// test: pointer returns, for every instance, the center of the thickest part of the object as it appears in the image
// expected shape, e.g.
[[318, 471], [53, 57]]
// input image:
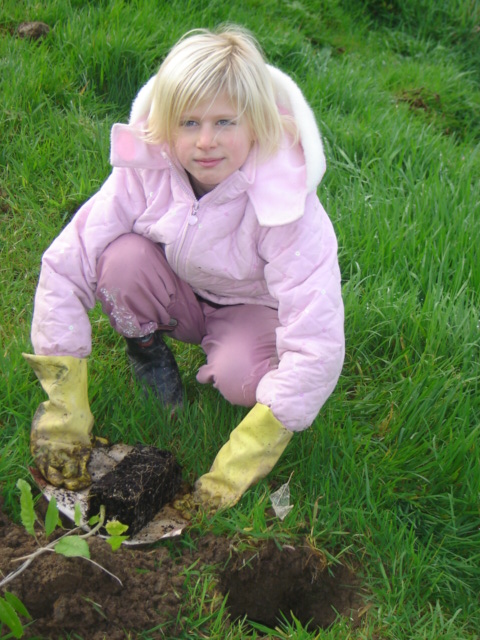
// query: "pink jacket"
[[260, 237]]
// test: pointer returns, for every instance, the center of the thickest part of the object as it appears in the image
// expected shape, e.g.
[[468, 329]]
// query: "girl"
[[208, 229]]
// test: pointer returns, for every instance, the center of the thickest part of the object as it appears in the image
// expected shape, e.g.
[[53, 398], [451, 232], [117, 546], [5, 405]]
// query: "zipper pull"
[[193, 219]]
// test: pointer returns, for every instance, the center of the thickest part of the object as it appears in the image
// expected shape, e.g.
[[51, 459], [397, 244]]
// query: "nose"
[[206, 137]]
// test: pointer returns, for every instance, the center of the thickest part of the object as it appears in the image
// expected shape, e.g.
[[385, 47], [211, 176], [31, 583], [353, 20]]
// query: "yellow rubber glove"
[[60, 439], [252, 451]]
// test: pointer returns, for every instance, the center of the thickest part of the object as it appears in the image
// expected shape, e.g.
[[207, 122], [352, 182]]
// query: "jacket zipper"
[[191, 220]]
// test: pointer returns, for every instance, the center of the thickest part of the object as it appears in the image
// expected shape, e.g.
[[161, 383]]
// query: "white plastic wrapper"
[[281, 501]]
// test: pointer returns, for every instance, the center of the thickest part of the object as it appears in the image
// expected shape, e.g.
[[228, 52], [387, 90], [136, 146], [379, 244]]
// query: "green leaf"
[[77, 517], [51, 517], [72, 546], [9, 616], [116, 541], [115, 527], [17, 604], [94, 520], [27, 511]]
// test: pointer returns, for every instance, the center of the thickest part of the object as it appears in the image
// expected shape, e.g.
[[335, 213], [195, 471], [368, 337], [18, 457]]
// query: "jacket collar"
[[276, 187], [128, 148]]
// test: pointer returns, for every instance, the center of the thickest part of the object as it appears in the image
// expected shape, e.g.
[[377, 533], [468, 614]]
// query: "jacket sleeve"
[[303, 274], [67, 283]]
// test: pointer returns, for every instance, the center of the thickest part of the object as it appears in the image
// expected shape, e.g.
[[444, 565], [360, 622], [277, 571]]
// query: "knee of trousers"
[[140, 293], [134, 285], [126, 261], [234, 374]]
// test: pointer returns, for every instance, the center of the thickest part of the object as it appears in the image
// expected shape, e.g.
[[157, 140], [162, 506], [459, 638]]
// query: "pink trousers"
[[140, 294]]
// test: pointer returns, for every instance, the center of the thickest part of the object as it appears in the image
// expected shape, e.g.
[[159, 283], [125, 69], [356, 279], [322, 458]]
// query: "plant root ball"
[[137, 488]]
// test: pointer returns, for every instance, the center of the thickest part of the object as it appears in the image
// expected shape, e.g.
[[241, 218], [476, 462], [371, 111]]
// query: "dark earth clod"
[[137, 488]]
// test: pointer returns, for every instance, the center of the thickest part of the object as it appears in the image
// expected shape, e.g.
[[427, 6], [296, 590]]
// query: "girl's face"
[[212, 142]]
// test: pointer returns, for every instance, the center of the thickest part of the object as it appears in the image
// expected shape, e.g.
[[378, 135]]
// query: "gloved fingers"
[[56, 477], [191, 503], [78, 483], [65, 468], [51, 474], [186, 506], [76, 466], [213, 495]]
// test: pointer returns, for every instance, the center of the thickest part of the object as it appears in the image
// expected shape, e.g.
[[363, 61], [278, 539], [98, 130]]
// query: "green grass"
[[389, 473]]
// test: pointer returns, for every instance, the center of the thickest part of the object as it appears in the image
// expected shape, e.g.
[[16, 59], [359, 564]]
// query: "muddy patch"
[[70, 595], [33, 30]]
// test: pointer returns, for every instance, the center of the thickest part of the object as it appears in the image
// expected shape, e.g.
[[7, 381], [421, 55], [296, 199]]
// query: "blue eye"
[[188, 123], [225, 122]]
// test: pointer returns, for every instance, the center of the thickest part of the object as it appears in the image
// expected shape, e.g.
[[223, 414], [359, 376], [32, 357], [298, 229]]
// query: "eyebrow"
[[217, 116]]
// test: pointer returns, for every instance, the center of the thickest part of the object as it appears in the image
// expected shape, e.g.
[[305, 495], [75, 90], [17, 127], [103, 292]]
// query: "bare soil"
[[70, 595]]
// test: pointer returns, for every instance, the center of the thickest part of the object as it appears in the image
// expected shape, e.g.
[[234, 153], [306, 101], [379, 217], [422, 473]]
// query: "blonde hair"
[[202, 65]]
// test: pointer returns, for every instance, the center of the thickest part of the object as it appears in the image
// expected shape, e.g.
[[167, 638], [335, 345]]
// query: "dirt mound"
[[72, 595]]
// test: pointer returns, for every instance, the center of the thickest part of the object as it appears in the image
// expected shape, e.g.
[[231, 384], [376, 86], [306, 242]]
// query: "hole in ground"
[[263, 584]]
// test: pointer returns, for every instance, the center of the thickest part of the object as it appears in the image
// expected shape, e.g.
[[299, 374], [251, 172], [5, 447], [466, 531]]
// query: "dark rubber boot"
[[155, 367]]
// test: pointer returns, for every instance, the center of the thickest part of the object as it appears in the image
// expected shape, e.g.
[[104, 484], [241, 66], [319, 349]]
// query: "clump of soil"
[[70, 595], [33, 30], [137, 488]]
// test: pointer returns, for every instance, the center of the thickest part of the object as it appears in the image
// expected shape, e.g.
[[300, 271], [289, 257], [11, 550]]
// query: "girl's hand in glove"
[[250, 454], [60, 439]]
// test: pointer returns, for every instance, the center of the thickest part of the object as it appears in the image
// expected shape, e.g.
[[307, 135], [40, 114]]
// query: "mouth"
[[208, 162]]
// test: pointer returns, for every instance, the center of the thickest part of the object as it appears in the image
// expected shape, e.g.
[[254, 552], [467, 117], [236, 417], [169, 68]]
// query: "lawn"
[[388, 477]]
